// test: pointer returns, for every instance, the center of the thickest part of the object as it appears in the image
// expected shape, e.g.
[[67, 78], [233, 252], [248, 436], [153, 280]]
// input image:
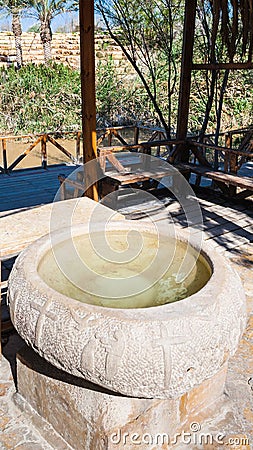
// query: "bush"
[[40, 98]]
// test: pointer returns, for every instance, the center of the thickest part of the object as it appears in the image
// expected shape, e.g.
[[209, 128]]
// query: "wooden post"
[[44, 151], [78, 140], [110, 139], [4, 147], [182, 151], [136, 134], [87, 55], [228, 144], [63, 192]]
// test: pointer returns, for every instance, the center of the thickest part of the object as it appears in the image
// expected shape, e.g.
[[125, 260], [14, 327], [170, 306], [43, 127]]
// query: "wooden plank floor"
[[228, 223], [30, 187]]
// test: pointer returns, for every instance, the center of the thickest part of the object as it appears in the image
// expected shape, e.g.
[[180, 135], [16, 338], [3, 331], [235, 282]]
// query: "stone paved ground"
[[230, 226], [16, 431], [235, 418]]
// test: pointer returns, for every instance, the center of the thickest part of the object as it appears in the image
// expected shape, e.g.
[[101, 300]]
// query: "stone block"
[[78, 414], [69, 43], [163, 352]]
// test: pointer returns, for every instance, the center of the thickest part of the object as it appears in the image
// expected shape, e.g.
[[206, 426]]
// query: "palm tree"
[[15, 8], [44, 11]]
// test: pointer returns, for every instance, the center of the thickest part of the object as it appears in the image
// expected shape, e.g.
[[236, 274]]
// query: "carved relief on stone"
[[145, 355], [166, 341], [114, 347], [43, 307], [84, 319], [88, 356]]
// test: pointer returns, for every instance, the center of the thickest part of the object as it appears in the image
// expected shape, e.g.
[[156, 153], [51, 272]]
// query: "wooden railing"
[[136, 139], [37, 139], [230, 158], [106, 137], [135, 134], [230, 134]]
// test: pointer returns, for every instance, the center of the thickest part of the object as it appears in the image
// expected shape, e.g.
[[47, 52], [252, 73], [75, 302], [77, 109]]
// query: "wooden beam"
[[223, 66], [4, 148], [24, 154], [61, 148], [219, 148], [182, 152], [143, 145], [87, 55]]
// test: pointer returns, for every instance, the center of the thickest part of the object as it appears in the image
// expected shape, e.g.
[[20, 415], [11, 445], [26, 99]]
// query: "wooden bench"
[[224, 180], [128, 169]]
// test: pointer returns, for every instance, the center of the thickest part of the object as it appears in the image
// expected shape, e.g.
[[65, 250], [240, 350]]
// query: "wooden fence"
[[106, 137], [38, 139], [141, 139], [237, 148]]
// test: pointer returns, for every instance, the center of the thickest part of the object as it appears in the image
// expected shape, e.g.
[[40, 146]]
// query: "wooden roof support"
[[87, 55], [185, 80]]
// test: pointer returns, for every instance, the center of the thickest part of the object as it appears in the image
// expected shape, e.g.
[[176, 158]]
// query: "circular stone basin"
[[137, 315], [121, 271]]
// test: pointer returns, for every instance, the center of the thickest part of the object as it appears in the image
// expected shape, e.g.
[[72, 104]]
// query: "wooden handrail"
[[157, 139], [219, 148], [141, 145], [49, 137], [43, 138], [122, 127], [24, 154]]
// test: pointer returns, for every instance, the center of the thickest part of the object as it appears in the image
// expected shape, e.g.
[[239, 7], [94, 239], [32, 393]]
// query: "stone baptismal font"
[[125, 330]]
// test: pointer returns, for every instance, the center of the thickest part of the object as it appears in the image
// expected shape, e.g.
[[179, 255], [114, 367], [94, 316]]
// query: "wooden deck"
[[228, 223], [30, 187]]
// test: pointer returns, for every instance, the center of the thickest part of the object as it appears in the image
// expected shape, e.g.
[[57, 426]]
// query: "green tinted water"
[[125, 270]]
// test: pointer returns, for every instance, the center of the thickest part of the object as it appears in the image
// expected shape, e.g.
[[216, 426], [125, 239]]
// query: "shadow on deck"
[[30, 187]]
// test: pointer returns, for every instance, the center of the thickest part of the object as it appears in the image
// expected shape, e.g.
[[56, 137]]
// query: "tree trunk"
[[218, 116], [209, 105], [17, 31], [46, 38]]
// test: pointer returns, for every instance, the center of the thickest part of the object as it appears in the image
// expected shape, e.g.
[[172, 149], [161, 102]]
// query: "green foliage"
[[47, 98], [41, 98], [34, 28], [146, 33], [46, 10], [38, 98], [119, 99], [13, 6], [237, 105]]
